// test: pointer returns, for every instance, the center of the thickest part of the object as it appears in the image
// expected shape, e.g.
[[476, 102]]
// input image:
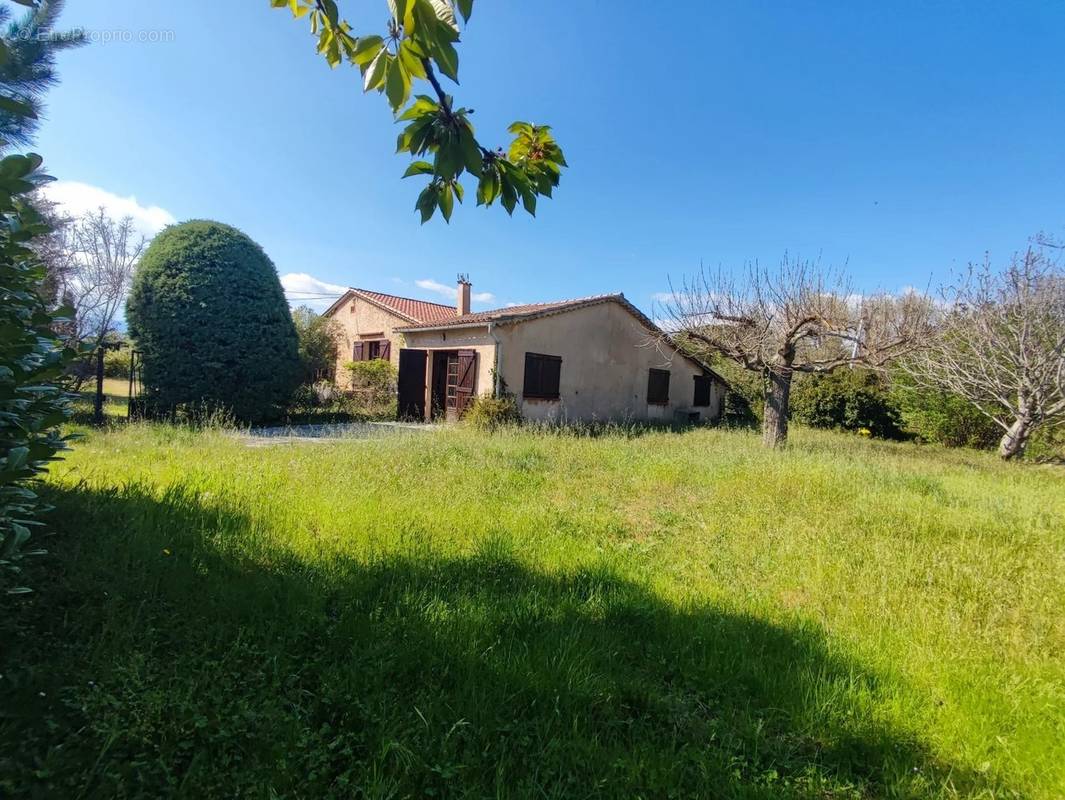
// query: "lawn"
[[116, 399], [454, 614]]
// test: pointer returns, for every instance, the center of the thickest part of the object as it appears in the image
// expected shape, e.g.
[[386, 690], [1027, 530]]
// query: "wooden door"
[[461, 382], [411, 384]]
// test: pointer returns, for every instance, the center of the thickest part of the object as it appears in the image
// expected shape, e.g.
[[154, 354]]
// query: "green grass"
[[116, 400], [534, 615]]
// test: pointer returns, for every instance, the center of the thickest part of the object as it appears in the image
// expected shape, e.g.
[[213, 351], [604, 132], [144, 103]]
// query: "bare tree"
[[104, 252], [1001, 345], [55, 249], [798, 317]]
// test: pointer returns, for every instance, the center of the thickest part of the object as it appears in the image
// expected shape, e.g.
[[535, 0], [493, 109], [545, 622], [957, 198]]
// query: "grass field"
[[116, 399], [531, 615]]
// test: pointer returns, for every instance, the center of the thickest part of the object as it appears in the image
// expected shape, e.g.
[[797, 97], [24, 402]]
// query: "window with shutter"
[[358, 353], [386, 350], [373, 350], [658, 387], [542, 376], [702, 391]]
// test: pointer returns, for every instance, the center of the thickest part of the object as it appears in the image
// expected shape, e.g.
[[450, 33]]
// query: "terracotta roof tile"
[[417, 311], [512, 312]]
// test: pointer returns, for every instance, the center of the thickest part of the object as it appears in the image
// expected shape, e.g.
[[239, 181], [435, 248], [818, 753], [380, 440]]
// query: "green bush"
[[1047, 444], [846, 399], [318, 344], [942, 418], [489, 413], [116, 363], [744, 398], [209, 317], [374, 381], [32, 360]]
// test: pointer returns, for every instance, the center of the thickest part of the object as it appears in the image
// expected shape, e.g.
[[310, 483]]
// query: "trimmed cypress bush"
[[208, 314]]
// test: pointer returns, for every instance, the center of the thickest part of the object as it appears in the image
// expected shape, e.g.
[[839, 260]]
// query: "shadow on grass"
[[228, 668]]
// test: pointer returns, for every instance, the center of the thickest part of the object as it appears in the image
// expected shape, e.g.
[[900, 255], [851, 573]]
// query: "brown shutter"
[[359, 351], [386, 350], [467, 380]]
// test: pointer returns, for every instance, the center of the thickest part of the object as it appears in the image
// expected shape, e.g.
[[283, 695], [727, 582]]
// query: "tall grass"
[[539, 614]]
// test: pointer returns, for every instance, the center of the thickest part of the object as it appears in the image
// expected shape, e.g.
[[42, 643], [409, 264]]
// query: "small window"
[[702, 391], [542, 375], [370, 349], [658, 387]]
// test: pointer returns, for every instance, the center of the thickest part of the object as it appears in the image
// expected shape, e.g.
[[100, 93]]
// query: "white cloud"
[[302, 289], [452, 292], [79, 198], [662, 297]]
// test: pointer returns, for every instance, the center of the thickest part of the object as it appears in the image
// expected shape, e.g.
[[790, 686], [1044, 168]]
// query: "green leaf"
[[411, 60], [471, 153], [528, 201], [447, 58], [375, 73], [447, 202], [421, 106], [419, 168], [448, 163], [331, 11], [465, 8], [397, 84], [508, 196], [367, 49], [427, 202], [488, 186], [444, 12]]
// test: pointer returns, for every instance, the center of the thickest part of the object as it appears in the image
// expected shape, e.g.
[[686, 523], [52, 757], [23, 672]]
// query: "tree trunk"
[[777, 400], [1016, 439]]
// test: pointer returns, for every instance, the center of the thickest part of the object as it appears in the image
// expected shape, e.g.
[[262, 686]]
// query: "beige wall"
[[358, 319], [606, 354], [476, 339]]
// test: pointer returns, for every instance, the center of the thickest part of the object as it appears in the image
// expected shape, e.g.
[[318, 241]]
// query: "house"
[[593, 358], [366, 324]]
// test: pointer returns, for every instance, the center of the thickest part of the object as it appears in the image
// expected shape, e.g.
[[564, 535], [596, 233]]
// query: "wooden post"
[[98, 403]]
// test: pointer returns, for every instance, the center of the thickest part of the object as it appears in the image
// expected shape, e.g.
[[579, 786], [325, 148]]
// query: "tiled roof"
[[516, 313], [420, 310], [415, 311]]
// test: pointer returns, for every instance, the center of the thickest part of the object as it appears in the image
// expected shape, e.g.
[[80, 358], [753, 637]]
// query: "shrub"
[[32, 405], [317, 343], [942, 418], [116, 363], [846, 399], [374, 381], [209, 317], [489, 413], [1047, 444], [744, 398]]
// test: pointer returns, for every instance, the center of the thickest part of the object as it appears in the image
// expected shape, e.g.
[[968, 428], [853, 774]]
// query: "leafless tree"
[[102, 253], [1001, 344], [55, 249], [797, 317]]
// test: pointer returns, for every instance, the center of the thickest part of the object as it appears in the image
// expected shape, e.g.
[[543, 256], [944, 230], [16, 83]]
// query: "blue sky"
[[903, 138]]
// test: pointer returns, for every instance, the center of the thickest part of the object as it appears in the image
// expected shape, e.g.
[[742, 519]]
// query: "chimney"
[[463, 304]]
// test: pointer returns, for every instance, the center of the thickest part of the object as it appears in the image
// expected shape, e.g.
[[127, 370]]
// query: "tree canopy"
[[27, 69], [419, 42], [797, 317], [209, 317]]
